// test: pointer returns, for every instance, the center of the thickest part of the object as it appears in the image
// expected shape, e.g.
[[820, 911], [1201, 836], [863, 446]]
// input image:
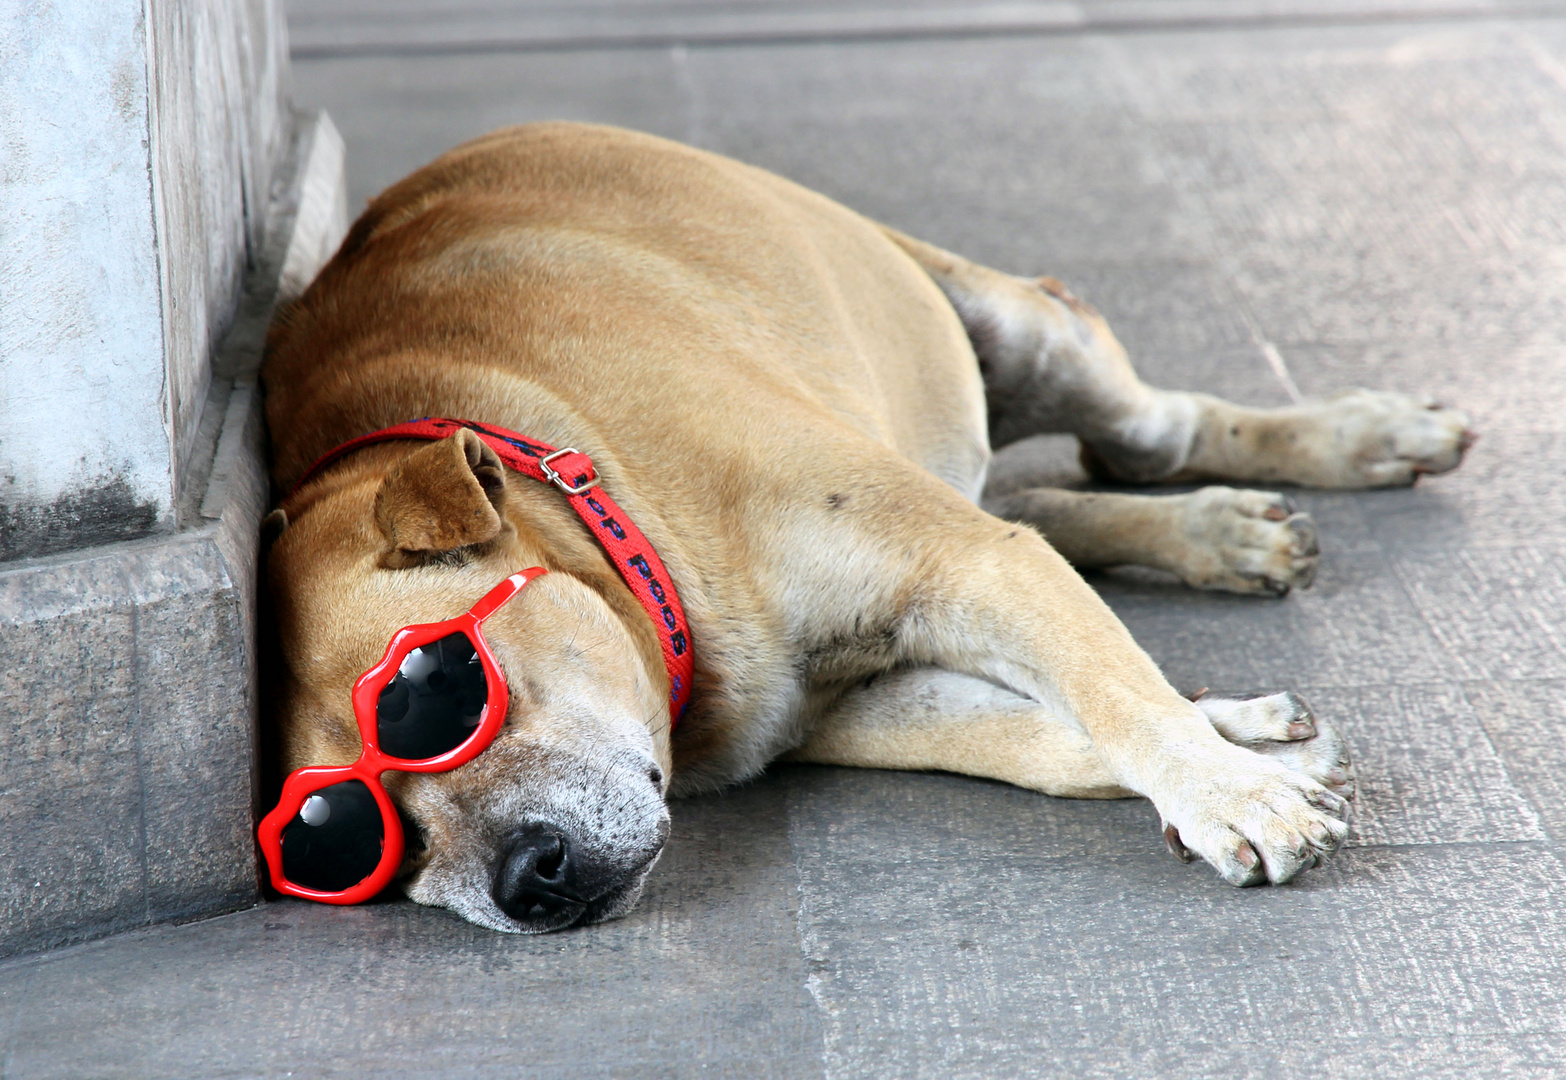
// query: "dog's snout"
[[536, 876], [547, 878]]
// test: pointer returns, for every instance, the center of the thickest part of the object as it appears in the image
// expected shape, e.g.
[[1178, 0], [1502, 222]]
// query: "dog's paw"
[[1371, 438], [1251, 542], [1283, 727], [1249, 815]]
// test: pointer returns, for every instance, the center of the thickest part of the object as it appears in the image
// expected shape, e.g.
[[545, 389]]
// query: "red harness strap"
[[572, 472]]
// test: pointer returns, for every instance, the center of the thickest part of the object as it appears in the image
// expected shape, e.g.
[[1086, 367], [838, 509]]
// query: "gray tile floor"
[[1377, 203]]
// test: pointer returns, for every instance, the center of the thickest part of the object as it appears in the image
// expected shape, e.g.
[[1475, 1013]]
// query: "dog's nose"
[[535, 878]]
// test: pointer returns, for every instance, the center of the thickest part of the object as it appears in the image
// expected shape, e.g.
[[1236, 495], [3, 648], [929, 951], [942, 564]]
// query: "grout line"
[[1269, 351], [1444, 845], [1522, 791], [138, 722], [805, 940], [584, 41], [1280, 369]]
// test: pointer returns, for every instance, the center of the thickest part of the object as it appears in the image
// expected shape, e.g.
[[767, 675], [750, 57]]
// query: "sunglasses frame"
[[372, 762]]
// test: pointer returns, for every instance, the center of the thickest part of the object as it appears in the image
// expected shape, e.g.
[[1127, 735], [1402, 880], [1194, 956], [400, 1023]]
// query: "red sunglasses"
[[435, 701]]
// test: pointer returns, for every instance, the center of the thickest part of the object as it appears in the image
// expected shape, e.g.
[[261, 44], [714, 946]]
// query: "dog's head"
[[559, 821]]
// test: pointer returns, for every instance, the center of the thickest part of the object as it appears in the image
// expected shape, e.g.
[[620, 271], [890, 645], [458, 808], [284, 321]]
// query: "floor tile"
[[1500, 613], [1427, 770], [1506, 492], [898, 818], [1137, 966], [981, 159], [1525, 721], [704, 977], [1505, 386], [1379, 201], [1356, 626]]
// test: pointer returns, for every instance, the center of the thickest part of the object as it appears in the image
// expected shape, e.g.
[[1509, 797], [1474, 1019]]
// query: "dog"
[[797, 406]]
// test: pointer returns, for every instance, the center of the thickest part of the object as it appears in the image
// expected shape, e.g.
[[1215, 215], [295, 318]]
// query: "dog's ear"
[[273, 526], [444, 496]]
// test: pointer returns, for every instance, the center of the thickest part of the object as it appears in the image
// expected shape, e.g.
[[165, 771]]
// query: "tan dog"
[[797, 407]]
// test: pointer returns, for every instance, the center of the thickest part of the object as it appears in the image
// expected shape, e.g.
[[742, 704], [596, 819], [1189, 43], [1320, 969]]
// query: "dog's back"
[[649, 285]]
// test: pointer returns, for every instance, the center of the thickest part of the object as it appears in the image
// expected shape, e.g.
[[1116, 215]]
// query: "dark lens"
[[335, 840], [434, 702]]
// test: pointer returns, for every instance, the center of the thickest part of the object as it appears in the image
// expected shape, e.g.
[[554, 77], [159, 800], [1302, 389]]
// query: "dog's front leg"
[[993, 600], [927, 718]]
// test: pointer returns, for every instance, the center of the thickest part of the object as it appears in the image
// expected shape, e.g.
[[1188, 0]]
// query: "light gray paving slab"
[[1397, 292], [1428, 774], [1377, 184], [1354, 627], [899, 818], [1427, 770], [1371, 199], [1020, 153], [1343, 518], [399, 113], [1507, 492], [1510, 386], [955, 965], [331, 27], [1525, 721], [1500, 613], [1041, 460], [704, 978]]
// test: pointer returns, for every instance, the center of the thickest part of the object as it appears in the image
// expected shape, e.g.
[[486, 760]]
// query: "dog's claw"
[[1175, 845], [1331, 802], [1246, 856]]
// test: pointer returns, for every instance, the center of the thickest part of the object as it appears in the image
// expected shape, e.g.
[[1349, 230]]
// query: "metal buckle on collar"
[[558, 480]]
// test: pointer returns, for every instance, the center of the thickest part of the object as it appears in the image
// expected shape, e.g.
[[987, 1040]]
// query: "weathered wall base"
[[128, 693], [139, 143]]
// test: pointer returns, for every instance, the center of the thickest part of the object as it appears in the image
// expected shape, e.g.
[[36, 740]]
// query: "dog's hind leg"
[[1220, 538], [1051, 364]]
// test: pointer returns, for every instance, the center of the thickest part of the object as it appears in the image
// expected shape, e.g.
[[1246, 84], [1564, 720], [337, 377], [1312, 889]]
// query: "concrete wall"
[[138, 140], [219, 123], [156, 187]]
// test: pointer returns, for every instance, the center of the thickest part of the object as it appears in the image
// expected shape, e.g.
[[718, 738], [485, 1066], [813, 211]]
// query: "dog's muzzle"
[[546, 879]]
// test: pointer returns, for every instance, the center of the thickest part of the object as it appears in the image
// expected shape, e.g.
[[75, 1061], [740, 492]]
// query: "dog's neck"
[[470, 451]]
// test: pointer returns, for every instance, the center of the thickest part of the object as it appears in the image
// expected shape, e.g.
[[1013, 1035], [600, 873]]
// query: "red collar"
[[572, 472]]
